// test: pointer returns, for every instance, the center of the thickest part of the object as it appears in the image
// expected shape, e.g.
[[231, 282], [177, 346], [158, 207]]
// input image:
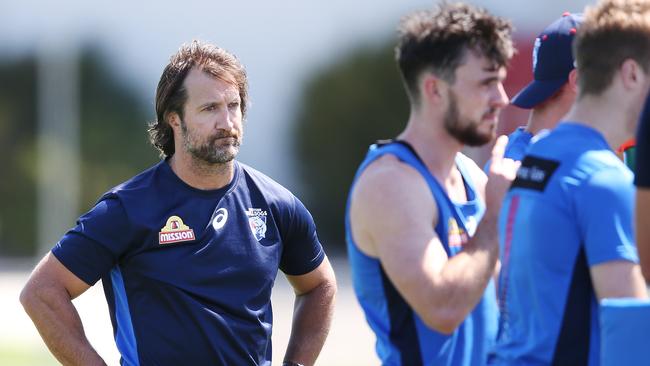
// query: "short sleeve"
[[642, 168], [93, 247], [302, 251], [605, 207]]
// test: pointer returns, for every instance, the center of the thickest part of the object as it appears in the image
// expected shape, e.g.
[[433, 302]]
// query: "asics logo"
[[220, 218]]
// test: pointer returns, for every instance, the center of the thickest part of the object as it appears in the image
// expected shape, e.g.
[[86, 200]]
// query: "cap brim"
[[536, 92]]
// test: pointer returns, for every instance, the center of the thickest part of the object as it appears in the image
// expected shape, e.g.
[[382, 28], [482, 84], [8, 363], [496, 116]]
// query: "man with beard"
[[189, 249], [421, 262], [566, 225]]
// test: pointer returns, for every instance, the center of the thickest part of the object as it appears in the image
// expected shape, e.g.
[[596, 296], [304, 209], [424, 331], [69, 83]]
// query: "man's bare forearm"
[[463, 279], [58, 323], [312, 317]]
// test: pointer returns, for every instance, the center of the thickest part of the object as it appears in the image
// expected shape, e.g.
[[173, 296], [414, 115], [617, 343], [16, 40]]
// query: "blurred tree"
[[18, 148], [344, 109], [114, 142]]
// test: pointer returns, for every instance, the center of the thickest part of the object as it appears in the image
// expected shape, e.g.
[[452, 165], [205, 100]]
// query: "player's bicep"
[[618, 279], [604, 206], [321, 275], [399, 221], [51, 274]]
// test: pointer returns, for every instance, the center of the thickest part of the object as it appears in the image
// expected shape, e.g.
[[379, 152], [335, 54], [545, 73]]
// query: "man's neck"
[[606, 115], [544, 119], [199, 174], [434, 145]]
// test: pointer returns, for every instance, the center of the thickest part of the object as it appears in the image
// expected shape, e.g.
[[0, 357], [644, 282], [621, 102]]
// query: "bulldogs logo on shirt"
[[457, 236], [175, 231], [257, 222]]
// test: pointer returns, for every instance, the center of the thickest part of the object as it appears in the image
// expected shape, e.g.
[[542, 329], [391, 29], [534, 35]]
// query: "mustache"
[[225, 134], [221, 134]]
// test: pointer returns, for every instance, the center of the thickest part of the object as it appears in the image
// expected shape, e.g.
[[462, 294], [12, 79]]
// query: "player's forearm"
[[312, 317], [483, 247], [461, 283], [59, 325], [471, 269]]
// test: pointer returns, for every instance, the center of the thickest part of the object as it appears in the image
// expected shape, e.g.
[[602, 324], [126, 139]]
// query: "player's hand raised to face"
[[500, 175]]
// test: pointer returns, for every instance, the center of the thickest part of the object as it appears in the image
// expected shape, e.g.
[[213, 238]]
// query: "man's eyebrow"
[[209, 103], [492, 67], [492, 78]]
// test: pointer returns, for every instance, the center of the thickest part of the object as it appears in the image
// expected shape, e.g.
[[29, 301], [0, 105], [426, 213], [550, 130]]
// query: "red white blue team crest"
[[457, 235], [257, 222]]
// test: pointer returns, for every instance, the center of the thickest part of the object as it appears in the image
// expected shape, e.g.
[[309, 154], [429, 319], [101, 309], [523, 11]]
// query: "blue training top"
[[402, 336], [188, 273], [569, 208], [518, 142]]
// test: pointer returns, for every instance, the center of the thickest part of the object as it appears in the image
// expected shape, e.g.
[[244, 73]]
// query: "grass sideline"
[[15, 355]]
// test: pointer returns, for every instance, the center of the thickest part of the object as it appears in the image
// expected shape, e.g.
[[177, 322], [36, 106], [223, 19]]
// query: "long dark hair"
[[171, 94]]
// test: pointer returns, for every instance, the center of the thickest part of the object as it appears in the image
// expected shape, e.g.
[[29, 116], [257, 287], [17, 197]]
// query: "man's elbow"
[[328, 290], [332, 287], [328, 285], [37, 292], [445, 321], [28, 296]]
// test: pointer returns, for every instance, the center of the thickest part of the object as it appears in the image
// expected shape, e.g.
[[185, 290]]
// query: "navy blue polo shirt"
[[188, 273]]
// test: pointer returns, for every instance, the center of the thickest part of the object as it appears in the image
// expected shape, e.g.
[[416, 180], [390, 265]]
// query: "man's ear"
[[173, 119], [573, 80], [632, 74], [433, 88]]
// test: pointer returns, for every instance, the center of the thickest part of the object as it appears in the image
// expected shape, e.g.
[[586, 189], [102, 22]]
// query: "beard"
[[464, 129], [213, 150]]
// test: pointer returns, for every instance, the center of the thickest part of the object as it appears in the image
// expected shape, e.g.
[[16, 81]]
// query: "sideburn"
[[466, 134]]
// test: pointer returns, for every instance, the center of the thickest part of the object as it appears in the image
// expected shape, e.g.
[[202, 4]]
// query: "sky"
[[281, 43]]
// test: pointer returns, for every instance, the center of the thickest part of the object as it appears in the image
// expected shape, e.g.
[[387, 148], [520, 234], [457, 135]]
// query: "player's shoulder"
[[599, 177], [142, 181], [124, 202], [598, 164], [272, 191], [608, 172], [389, 171], [388, 182]]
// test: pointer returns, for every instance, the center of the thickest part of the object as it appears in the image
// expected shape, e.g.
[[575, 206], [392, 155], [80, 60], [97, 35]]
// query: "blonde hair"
[[613, 31]]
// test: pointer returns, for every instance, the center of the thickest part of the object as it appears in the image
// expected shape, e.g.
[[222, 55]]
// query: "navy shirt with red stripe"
[[188, 273]]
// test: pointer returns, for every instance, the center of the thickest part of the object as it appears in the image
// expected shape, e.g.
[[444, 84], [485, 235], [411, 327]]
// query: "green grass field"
[[24, 356]]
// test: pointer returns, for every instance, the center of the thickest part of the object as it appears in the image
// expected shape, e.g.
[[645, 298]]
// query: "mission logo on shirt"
[[175, 231]]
